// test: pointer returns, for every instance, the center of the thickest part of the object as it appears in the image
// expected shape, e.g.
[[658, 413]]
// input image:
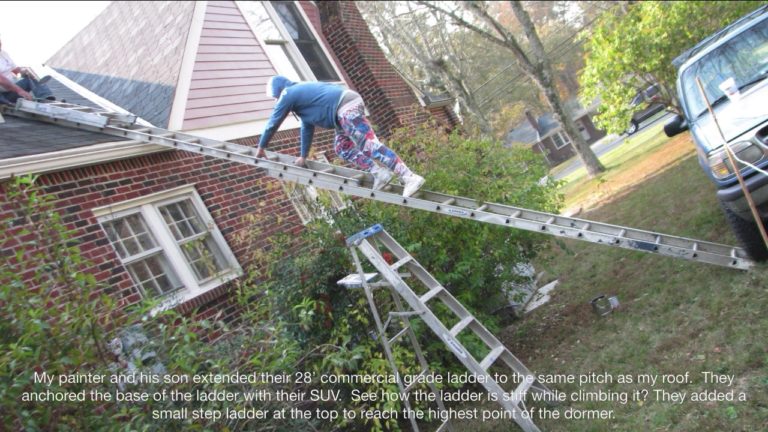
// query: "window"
[[169, 245], [311, 203], [561, 140], [288, 40]]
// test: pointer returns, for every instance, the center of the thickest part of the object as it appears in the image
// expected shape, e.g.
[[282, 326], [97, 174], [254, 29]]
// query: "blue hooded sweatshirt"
[[315, 103]]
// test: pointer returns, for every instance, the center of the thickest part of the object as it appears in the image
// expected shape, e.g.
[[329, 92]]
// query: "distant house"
[[546, 136], [145, 215]]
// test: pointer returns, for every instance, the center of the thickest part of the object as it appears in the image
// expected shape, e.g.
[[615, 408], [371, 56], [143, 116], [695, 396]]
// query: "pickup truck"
[[732, 66]]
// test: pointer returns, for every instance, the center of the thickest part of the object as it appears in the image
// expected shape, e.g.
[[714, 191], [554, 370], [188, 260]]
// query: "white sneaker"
[[381, 177], [411, 183]]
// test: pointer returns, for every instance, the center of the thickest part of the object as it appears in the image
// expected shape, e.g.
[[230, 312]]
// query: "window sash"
[[288, 58], [560, 140]]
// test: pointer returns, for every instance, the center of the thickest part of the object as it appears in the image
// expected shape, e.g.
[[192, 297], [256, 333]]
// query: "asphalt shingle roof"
[[25, 137], [131, 55]]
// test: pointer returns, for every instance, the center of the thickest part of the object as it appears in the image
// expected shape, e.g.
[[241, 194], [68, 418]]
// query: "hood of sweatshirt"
[[276, 85]]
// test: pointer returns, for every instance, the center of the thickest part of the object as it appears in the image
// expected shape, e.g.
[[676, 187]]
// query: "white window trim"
[[311, 192], [563, 137], [292, 48], [148, 207]]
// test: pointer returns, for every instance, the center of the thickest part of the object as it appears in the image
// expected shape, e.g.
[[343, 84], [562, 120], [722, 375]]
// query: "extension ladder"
[[455, 320], [366, 282], [358, 183]]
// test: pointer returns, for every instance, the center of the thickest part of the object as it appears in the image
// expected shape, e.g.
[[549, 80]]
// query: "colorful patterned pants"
[[357, 143]]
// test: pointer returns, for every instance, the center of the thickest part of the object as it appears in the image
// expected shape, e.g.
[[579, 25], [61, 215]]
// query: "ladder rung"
[[401, 262], [328, 170], [399, 334], [416, 380], [482, 207], [449, 201], [455, 330], [491, 357], [443, 426], [431, 293]]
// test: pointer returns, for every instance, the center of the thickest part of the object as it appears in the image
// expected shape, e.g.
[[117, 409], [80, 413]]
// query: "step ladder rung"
[[416, 380], [401, 262], [491, 357], [431, 293], [522, 388], [461, 325], [444, 426], [399, 334], [482, 208]]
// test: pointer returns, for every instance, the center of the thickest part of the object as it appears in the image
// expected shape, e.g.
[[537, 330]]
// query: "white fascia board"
[[107, 152], [184, 80], [242, 130], [75, 158]]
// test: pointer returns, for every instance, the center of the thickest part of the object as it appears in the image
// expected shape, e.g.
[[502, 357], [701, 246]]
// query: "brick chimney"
[[387, 96], [532, 121]]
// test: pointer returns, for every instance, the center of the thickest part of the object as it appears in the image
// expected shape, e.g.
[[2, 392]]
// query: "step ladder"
[[357, 183], [368, 282], [428, 298]]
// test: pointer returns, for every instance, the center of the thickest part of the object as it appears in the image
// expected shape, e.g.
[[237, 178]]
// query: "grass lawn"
[[676, 316], [638, 158]]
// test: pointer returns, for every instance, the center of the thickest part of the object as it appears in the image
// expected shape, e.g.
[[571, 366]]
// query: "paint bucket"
[[603, 305]]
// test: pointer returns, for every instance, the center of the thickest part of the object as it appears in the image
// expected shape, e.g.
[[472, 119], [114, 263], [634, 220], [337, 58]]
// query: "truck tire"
[[748, 234]]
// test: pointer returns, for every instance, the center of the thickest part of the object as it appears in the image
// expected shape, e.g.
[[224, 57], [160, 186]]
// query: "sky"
[[32, 31]]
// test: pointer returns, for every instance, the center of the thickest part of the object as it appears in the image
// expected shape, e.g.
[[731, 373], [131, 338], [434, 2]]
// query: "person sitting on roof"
[[11, 89], [332, 106]]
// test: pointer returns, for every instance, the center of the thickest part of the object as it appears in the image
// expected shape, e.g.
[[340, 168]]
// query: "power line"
[[562, 42], [560, 46]]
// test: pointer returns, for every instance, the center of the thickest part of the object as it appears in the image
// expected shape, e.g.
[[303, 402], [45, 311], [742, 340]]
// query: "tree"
[[423, 48], [631, 49], [535, 65]]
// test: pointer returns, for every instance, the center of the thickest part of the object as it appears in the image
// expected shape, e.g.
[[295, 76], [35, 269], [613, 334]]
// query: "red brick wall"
[[229, 191]]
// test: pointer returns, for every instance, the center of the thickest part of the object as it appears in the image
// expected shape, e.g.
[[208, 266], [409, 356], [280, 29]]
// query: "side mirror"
[[675, 125]]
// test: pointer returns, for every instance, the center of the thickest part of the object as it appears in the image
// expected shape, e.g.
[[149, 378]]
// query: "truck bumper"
[[733, 196]]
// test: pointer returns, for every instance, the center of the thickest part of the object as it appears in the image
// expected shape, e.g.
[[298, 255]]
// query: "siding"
[[229, 73]]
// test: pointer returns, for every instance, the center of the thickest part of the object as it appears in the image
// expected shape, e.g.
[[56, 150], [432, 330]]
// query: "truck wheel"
[[633, 127], [748, 234]]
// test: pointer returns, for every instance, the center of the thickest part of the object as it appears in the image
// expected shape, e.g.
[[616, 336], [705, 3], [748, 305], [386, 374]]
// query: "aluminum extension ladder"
[[358, 183], [449, 320], [367, 282]]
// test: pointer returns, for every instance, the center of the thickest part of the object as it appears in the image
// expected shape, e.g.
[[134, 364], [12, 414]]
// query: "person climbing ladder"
[[332, 106]]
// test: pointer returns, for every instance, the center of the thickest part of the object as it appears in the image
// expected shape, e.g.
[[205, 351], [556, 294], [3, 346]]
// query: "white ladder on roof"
[[358, 183], [449, 320]]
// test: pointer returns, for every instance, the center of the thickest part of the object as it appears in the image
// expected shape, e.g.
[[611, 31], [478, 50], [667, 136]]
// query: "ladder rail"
[[357, 183], [369, 249]]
